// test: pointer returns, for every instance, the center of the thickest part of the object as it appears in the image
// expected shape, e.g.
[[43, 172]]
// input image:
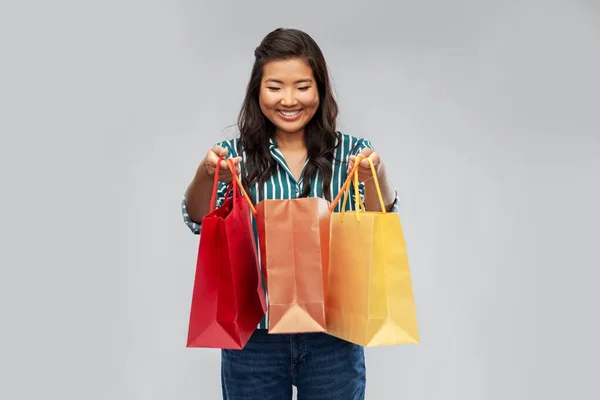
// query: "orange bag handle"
[[236, 183], [346, 184], [345, 190], [237, 178]]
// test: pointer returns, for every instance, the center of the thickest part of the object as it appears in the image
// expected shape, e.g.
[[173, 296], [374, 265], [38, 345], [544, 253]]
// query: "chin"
[[290, 127], [289, 130]]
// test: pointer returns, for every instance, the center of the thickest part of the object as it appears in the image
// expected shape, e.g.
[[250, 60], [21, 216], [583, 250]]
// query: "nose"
[[288, 99]]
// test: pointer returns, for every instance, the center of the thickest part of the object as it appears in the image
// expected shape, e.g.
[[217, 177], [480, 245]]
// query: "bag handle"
[[213, 197], [234, 185], [359, 206], [345, 190], [239, 184], [346, 184]]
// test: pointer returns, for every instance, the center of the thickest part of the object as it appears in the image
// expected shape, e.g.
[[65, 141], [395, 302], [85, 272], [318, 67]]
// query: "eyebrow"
[[298, 81]]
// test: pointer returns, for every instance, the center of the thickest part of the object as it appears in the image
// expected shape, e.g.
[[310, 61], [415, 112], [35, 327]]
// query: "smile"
[[291, 115]]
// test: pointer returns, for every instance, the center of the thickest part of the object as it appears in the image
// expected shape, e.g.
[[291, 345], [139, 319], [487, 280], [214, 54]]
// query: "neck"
[[290, 141]]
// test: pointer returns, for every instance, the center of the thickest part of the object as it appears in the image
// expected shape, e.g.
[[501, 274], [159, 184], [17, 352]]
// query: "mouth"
[[290, 115]]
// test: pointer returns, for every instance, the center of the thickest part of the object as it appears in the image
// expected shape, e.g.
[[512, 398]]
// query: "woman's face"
[[288, 96]]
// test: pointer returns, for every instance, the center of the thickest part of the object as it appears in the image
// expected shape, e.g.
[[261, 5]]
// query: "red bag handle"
[[213, 197], [234, 185]]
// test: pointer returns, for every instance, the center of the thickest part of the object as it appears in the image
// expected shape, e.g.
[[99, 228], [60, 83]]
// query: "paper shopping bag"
[[228, 300], [294, 247], [370, 298]]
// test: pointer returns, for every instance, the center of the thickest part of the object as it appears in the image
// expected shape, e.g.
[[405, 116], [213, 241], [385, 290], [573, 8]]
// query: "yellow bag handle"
[[359, 206], [379, 195], [345, 189]]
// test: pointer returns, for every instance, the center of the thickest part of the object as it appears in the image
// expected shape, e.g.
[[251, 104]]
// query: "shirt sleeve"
[[196, 226], [360, 146]]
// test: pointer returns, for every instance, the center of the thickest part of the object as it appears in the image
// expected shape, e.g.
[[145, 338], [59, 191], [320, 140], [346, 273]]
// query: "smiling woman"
[[288, 147], [289, 100]]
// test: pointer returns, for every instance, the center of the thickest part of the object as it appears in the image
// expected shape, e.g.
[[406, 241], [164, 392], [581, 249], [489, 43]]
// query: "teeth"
[[289, 113]]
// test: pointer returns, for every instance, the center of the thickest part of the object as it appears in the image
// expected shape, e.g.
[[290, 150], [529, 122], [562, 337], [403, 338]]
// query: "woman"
[[289, 147]]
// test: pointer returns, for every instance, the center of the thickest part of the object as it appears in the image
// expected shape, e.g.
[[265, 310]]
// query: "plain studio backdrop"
[[485, 112]]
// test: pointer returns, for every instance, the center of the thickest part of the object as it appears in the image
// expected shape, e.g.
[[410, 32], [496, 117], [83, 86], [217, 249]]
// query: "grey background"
[[484, 111]]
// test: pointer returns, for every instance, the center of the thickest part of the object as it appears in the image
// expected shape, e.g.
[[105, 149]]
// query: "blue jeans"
[[321, 366]]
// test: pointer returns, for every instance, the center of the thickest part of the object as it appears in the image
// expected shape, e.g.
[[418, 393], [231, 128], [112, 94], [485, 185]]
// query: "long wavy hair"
[[256, 129]]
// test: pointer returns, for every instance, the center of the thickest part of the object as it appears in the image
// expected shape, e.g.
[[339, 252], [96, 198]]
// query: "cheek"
[[310, 99], [268, 100]]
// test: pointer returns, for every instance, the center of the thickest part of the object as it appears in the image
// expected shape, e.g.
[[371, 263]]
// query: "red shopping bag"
[[228, 300]]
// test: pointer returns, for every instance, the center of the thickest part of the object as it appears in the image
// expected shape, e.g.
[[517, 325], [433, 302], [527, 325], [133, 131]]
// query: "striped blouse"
[[282, 185]]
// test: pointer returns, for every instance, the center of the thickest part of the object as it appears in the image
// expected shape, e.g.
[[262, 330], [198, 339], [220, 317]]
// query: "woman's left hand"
[[364, 169]]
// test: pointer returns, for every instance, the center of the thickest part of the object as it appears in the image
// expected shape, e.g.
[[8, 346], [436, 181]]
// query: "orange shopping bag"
[[294, 247], [370, 298]]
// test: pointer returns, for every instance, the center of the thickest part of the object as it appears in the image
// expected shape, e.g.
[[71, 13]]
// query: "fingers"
[[234, 160], [364, 163], [215, 153], [366, 152], [364, 168], [373, 156], [226, 168], [220, 151], [212, 159]]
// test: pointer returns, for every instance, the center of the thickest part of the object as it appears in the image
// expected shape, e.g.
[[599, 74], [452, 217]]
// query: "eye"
[[304, 88], [273, 89]]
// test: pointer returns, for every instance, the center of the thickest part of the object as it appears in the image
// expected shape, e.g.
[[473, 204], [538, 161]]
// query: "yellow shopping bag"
[[370, 299]]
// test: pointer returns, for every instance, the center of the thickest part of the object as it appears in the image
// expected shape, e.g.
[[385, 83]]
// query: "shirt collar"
[[272, 144]]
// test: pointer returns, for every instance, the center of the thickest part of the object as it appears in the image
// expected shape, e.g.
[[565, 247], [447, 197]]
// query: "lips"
[[290, 115]]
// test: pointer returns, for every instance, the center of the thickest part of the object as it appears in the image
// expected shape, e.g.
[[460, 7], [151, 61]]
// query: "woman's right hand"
[[212, 158]]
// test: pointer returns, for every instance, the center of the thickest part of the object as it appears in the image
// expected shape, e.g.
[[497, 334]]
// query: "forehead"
[[287, 70]]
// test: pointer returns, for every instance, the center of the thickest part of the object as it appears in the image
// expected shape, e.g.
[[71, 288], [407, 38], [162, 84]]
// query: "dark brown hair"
[[255, 129]]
